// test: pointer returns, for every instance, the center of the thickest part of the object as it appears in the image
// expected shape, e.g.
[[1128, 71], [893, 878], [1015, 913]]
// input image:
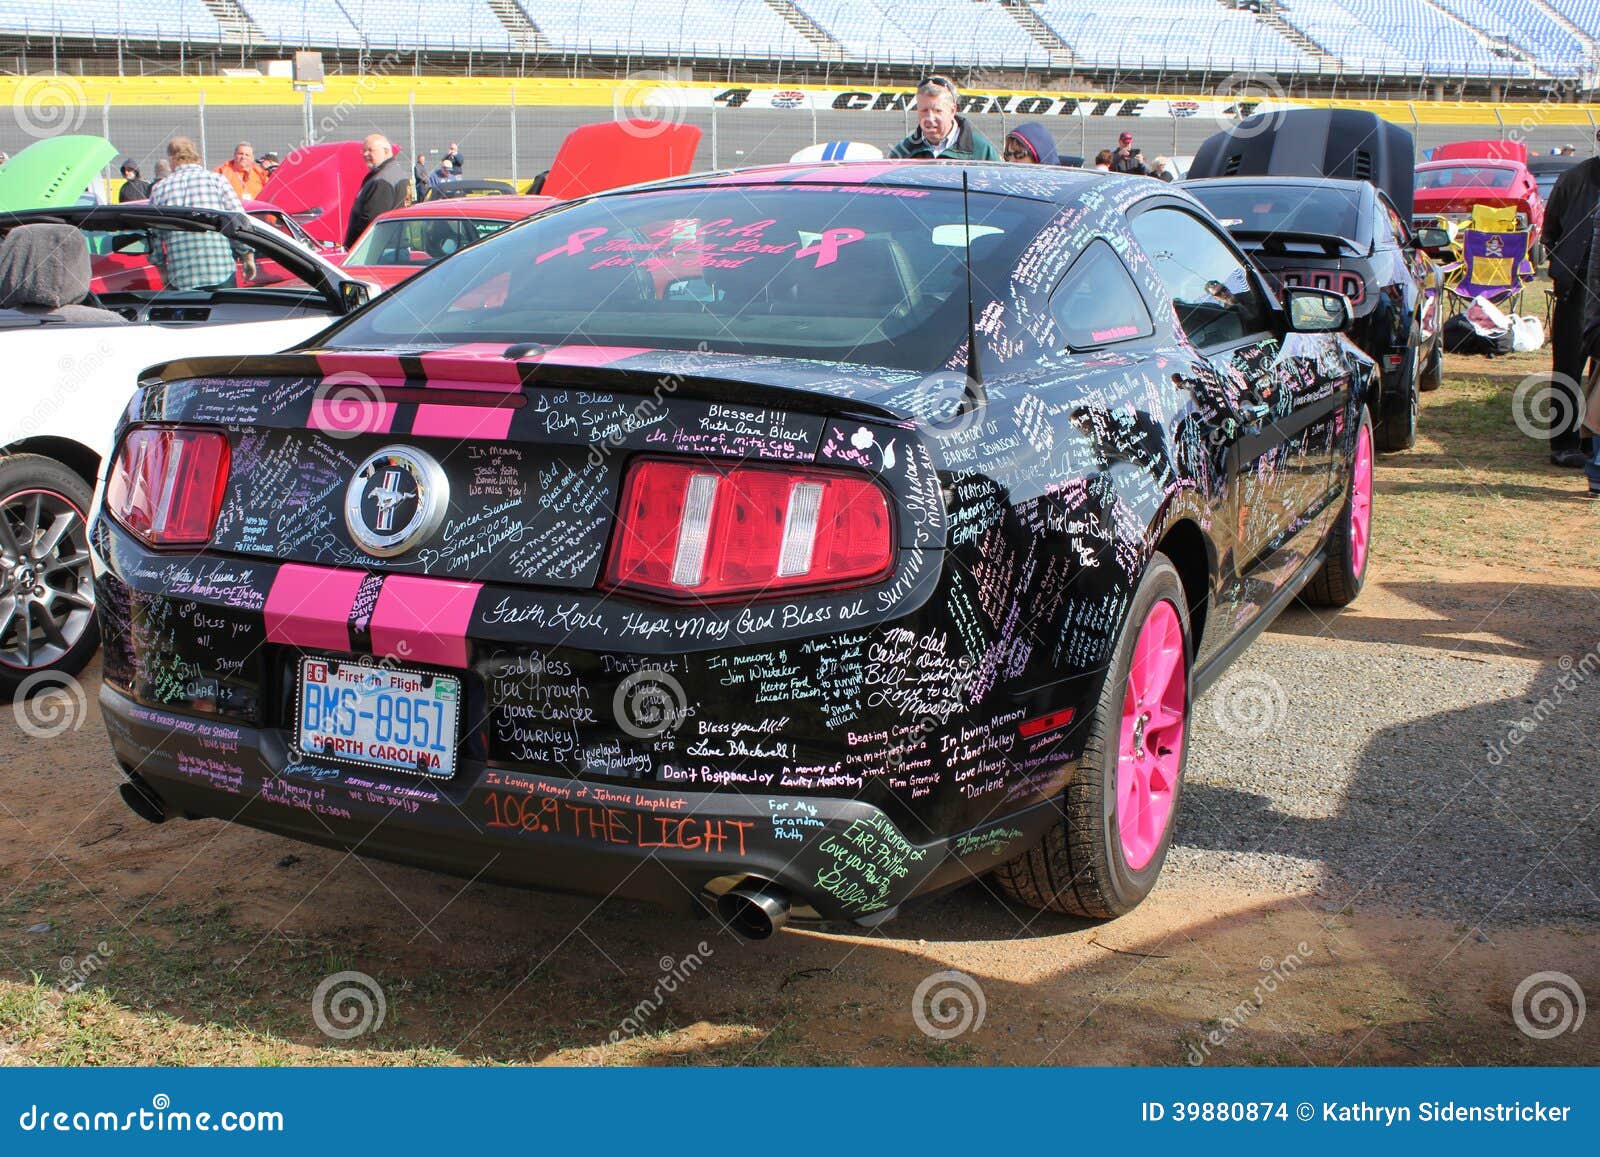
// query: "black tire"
[[1079, 867], [1342, 575], [1433, 369], [47, 621], [1397, 428]]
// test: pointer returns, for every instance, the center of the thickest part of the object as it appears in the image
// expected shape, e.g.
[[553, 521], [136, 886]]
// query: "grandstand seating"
[[303, 22], [1484, 39], [146, 19], [1397, 36], [713, 28], [459, 24], [954, 31], [1524, 26], [1585, 14], [1192, 35]]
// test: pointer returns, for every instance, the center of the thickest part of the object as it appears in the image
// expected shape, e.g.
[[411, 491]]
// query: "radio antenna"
[[974, 372]]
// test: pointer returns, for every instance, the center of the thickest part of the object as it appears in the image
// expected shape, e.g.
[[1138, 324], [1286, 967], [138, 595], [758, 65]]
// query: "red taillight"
[[166, 485], [692, 531]]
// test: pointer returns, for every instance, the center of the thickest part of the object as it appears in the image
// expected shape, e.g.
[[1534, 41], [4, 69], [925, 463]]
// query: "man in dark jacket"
[[1127, 159], [1569, 239], [133, 189], [383, 189], [941, 132]]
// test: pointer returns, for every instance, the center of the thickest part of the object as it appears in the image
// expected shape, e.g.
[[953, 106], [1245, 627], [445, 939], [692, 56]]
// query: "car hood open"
[[53, 173]]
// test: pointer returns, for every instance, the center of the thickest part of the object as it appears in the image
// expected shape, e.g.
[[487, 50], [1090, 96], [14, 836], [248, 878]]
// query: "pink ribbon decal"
[[576, 243], [827, 248]]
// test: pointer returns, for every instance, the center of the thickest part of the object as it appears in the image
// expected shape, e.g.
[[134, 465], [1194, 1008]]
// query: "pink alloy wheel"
[[1361, 502], [1151, 747]]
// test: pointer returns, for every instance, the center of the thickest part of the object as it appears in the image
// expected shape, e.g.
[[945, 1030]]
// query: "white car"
[[72, 371]]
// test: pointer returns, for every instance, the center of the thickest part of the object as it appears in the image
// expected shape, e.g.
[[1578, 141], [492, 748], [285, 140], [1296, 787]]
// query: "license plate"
[[378, 716]]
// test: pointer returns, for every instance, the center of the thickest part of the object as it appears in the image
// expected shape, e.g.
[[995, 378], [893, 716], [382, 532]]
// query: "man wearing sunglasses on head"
[[941, 132]]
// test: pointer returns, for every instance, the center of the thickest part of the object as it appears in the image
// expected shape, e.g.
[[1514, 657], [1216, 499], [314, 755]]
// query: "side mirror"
[[1433, 238], [353, 295], [1315, 310]]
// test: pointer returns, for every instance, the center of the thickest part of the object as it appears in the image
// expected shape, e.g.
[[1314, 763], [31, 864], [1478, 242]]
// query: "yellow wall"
[[496, 91]]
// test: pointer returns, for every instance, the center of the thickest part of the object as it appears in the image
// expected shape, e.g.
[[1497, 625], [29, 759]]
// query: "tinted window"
[[1465, 177], [1291, 208], [863, 274], [1213, 294], [1097, 301], [419, 240]]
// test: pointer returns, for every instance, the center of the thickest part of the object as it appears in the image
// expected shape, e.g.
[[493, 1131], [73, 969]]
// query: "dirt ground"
[[197, 943]]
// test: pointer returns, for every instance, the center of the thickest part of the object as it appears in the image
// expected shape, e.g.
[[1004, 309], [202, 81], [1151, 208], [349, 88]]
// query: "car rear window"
[[1466, 177], [1288, 208], [837, 273]]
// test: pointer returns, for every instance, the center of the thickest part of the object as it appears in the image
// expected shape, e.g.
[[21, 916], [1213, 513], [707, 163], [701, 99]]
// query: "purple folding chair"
[[1492, 265]]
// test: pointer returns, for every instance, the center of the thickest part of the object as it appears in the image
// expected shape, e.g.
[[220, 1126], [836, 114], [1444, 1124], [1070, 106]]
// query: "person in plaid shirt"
[[197, 260]]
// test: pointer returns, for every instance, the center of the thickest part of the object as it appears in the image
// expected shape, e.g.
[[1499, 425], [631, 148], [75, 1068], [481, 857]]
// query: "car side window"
[[1097, 302], [1397, 227], [1216, 300]]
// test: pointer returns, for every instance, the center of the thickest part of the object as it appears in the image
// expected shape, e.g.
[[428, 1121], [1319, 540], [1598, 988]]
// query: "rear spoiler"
[[533, 372], [1275, 240]]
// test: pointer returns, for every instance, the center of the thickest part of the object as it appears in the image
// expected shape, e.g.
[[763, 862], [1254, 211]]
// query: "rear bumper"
[[840, 859]]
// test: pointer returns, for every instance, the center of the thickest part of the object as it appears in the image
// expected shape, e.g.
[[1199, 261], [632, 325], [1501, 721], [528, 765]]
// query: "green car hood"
[[52, 173]]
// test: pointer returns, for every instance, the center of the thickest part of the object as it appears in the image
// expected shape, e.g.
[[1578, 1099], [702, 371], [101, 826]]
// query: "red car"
[[1469, 173], [127, 267], [403, 242]]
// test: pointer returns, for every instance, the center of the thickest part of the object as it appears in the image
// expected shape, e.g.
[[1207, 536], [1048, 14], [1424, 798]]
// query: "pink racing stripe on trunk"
[[309, 606], [375, 366], [423, 620], [350, 399], [464, 422], [351, 409], [474, 366], [592, 355]]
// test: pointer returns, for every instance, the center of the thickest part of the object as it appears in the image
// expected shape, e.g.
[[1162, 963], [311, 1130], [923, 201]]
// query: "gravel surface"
[[1376, 773]]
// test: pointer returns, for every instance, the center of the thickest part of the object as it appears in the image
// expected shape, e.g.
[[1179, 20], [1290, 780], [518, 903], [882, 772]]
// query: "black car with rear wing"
[[799, 539], [1348, 237]]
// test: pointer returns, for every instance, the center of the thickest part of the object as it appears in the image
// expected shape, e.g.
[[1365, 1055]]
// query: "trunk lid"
[[530, 449]]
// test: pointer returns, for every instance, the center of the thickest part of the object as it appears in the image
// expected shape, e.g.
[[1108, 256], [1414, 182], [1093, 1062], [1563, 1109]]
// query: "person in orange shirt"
[[243, 173]]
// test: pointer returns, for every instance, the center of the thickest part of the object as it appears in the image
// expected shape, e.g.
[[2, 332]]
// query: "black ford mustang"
[[670, 545], [1347, 236]]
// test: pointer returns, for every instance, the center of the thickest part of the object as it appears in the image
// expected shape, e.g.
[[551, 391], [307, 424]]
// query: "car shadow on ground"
[[1485, 815], [1493, 619]]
